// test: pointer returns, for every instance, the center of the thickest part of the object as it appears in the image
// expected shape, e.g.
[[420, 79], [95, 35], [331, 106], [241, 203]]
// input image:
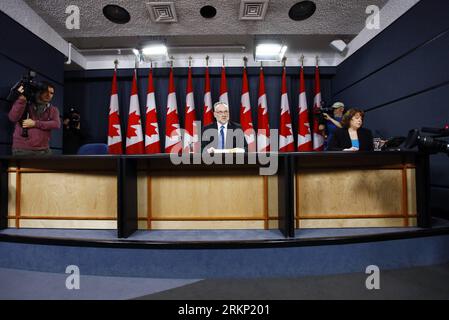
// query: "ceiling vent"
[[253, 9], [161, 12]]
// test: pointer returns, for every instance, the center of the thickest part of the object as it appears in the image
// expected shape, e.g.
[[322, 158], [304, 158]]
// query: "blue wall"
[[89, 92], [21, 51], [401, 78]]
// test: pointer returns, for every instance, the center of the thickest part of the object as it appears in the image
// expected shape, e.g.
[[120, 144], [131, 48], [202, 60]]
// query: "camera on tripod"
[[30, 88], [428, 143]]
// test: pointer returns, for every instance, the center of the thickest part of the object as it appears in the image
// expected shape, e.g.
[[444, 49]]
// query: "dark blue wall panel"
[[422, 69], [422, 23], [25, 48], [89, 91], [21, 51], [401, 78]]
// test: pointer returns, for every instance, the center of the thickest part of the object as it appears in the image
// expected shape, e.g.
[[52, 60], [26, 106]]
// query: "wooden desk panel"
[[355, 198], [45, 199], [213, 200]]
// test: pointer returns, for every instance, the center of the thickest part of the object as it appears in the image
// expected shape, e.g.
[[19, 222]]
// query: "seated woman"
[[352, 137]]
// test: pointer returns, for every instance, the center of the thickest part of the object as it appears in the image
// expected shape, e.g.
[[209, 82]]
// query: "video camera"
[[30, 88], [319, 112], [74, 118], [428, 143]]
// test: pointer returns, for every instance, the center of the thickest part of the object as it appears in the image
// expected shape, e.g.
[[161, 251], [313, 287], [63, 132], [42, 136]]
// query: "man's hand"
[[326, 116], [28, 123]]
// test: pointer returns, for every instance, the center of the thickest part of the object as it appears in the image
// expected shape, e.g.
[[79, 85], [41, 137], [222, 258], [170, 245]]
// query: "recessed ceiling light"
[[269, 52], [116, 14], [208, 12], [302, 10]]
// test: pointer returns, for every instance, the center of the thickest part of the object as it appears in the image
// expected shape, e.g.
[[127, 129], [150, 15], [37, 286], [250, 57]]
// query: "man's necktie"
[[222, 138]]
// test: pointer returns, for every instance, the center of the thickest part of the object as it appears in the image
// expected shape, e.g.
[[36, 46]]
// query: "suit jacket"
[[341, 140], [232, 139]]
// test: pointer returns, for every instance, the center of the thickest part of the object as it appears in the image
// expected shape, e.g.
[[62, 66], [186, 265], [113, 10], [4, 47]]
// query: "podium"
[[150, 192]]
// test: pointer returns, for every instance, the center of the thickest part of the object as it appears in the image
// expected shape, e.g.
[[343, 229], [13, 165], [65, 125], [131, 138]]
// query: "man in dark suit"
[[223, 134]]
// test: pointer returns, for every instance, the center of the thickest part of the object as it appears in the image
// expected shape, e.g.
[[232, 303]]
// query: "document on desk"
[[234, 150]]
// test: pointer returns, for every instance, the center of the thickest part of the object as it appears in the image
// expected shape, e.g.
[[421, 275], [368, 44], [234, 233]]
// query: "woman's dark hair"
[[48, 85], [346, 121]]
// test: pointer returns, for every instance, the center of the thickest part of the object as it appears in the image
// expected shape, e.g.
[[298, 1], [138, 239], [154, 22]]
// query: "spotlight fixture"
[[116, 14], [269, 52], [338, 45]]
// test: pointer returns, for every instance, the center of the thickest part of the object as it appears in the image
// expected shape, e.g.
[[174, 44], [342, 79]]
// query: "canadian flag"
[[173, 141], [223, 87], [208, 114], [245, 115], [191, 142], [318, 138], [263, 127], [304, 135], [134, 135], [152, 140], [114, 129], [286, 141]]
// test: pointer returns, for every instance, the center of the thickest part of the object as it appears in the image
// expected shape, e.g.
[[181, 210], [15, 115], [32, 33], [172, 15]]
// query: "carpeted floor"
[[415, 283], [431, 282]]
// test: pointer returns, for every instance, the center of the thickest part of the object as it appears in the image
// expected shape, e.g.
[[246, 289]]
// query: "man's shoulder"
[[211, 126], [234, 125]]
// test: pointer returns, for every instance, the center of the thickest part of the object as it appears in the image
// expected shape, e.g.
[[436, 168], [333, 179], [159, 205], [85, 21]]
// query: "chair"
[[93, 148]]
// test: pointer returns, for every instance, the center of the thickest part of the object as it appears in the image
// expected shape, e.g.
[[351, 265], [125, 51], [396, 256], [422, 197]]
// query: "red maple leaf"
[[151, 119], [113, 121], [133, 120]]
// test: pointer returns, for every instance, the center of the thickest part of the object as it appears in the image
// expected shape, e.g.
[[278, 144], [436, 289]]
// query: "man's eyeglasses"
[[222, 112]]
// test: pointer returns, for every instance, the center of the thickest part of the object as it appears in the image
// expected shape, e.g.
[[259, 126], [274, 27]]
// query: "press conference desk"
[[309, 190]]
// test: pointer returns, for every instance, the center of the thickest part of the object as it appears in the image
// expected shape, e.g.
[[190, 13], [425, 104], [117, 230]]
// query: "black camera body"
[[428, 143], [74, 119], [30, 86], [30, 89], [319, 112]]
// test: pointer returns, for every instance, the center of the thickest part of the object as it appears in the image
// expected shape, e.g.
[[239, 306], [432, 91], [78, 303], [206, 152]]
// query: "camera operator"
[[73, 137], [333, 123], [34, 121]]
